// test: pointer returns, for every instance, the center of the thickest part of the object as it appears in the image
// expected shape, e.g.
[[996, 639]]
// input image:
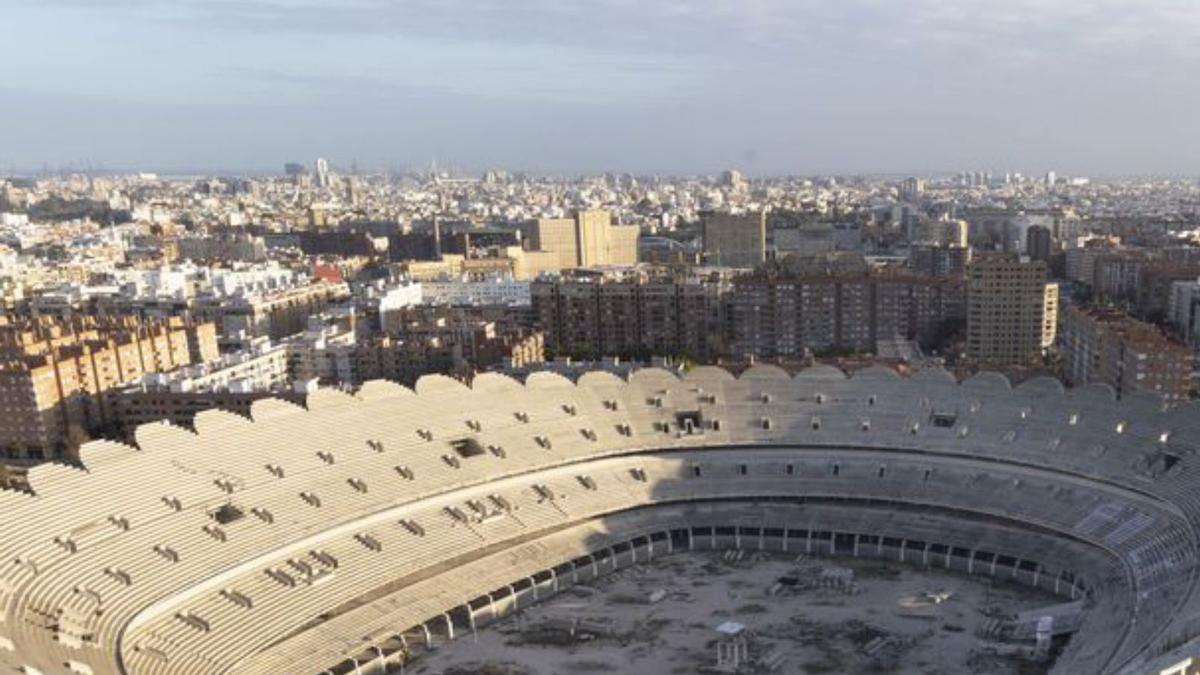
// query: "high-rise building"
[[939, 260], [322, 172], [735, 240], [912, 189], [589, 239], [1105, 345], [1183, 311], [1006, 310], [1039, 243], [1050, 316]]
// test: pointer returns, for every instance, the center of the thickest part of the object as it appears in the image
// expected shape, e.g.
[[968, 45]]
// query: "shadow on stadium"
[[793, 501]]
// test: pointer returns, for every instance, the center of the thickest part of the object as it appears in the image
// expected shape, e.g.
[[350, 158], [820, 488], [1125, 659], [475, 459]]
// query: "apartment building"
[[56, 379], [1006, 310], [1102, 344]]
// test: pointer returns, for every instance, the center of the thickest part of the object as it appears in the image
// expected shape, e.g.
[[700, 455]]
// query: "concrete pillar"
[[534, 585], [691, 544], [879, 546], [357, 666], [449, 626], [428, 636], [595, 566], [903, 545], [785, 539], [992, 572], [737, 537], [971, 562], [808, 543], [513, 602], [471, 619], [554, 579], [856, 545], [925, 555], [712, 539], [762, 538]]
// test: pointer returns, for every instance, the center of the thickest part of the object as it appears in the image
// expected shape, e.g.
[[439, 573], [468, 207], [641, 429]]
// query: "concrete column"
[[691, 546], [737, 537], [762, 538], [992, 572], [856, 545], [712, 538], [357, 666], [785, 539], [534, 585], [428, 636], [471, 619], [449, 626], [554, 579], [971, 562], [925, 555], [595, 566], [513, 602], [879, 546], [808, 543], [903, 545]]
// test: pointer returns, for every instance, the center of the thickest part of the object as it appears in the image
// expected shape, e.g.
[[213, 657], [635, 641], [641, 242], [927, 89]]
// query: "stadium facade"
[[344, 537]]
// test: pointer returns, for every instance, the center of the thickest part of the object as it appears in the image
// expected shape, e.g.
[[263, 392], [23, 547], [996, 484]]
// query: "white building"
[[495, 292]]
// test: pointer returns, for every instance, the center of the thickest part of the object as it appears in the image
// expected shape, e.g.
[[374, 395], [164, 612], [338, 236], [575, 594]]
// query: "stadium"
[[357, 534]]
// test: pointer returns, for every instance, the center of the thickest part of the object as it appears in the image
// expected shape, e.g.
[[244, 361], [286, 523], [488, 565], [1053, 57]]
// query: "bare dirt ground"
[[822, 624]]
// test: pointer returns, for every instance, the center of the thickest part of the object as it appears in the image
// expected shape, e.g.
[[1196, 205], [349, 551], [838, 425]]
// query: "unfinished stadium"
[[355, 535]]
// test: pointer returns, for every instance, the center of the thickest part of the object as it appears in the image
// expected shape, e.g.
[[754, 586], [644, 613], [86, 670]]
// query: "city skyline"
[[565, 88]]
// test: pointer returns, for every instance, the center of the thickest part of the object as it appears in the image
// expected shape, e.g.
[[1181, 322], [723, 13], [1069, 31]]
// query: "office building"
[[586, 240]]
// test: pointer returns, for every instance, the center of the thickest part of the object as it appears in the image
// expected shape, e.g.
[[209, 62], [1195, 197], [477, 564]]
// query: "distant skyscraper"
[[1038, 242], [733, 179], [1051, 179], [322, 172], [912, 189], [294, 169]]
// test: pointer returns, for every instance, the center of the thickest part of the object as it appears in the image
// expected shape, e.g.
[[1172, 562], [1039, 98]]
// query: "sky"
[[1084, 87]]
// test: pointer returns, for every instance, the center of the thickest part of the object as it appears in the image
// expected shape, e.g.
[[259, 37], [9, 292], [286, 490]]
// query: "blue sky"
[[1097, 87]]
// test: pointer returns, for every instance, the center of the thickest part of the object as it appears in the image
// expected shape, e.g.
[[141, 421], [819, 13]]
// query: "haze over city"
[[533, 337], [565, 86]]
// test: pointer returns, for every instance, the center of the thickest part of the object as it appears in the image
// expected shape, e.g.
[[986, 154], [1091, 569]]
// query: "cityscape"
[[456, 346]]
